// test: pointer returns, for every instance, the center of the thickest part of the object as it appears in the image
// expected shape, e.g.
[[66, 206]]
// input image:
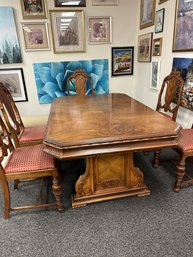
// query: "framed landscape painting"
[[145, 47], [105, 2], [13, 79], [157, 46], [183, 29], [10, 51], [122, 60]]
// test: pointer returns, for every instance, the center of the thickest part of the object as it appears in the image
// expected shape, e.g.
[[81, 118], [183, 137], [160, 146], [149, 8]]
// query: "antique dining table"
[[106, 130]]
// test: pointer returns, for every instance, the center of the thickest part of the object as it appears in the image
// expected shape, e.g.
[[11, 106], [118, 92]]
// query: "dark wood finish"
[[171, 92], [106, 129], [7, 148], [79, 80]]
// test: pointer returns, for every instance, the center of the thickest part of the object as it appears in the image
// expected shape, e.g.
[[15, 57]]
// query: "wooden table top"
[[104, 123]]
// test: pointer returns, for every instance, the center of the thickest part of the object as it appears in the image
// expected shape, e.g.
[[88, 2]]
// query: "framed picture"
[[10, 50], [154, 78], [105, 2], [99, 30], [147, 13], [183, 28], [13, 79], [35, 36], [122, 60], [162, 1], [67, 30], [144, 47], [159, 20], [33, 9], [67, 3], [157, 46]]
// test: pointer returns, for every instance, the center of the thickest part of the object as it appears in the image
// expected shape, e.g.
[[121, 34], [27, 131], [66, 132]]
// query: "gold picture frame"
[[99, 30], [145, 47], [183, 28], [67, 31], [35, 36], [157, 47], [33, 10], [147, 13]]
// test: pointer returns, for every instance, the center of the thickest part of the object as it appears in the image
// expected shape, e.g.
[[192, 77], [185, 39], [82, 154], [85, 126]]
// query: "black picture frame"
[[159, 20], [64, 3], [13, 79], [122, 60]]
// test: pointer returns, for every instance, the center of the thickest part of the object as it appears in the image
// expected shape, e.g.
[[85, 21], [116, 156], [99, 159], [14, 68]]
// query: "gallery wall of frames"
[[127, 46], [65, 28]]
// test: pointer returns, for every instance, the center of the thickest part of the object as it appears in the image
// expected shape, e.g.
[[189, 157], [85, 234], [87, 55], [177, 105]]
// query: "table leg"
[[109, 177]]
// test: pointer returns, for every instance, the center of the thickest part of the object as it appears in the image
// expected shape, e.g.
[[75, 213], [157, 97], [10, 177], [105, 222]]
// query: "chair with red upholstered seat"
[[185, 148], [28, 162], [169, 101], [27, 135]]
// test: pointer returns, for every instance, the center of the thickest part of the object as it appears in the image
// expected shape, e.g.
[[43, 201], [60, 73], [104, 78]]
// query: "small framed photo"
[[157, 47], [67, 31], [99, 30], [159, 20], [162, 1], [154, 78], [33, 9], [13, 79], [35, 36], [147, 13], [67, 3], [122, 60], [145, 47], [105, 2]]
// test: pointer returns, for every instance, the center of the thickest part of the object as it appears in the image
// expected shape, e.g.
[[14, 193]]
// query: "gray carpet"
[[152, 226]]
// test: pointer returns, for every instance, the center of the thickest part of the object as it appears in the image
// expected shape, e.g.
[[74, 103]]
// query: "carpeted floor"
[[159, 225]]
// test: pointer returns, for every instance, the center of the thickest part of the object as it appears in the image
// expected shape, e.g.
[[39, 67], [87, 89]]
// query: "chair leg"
[[180, 172], [7, 200], [16, 182], [57, 191], [157, 158]]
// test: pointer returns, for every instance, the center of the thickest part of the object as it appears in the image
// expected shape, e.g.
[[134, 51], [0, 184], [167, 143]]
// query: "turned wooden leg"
[[157, 158], [57, 191], [180, 172], [7, 200]]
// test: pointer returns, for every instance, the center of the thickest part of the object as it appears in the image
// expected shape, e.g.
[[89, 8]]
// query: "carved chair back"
[[172, 86], [8, 103], [79, 80]]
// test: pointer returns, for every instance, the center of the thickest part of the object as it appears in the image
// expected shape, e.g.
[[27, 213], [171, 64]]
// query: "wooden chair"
[[78, 81], [169, 101], [24, 163], [26, 135], [185, 148]]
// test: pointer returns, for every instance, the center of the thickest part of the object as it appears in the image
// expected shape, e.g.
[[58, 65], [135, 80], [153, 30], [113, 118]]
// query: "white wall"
[[124, 34], [142, 79], [125, 23]]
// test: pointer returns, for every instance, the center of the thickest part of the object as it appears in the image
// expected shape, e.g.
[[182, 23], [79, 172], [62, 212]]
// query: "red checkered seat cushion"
[[185, 140], [32, 134], [26, 159]]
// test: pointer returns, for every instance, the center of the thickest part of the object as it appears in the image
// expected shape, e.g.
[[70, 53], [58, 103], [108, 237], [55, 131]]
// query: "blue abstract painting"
[[51, 77]]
